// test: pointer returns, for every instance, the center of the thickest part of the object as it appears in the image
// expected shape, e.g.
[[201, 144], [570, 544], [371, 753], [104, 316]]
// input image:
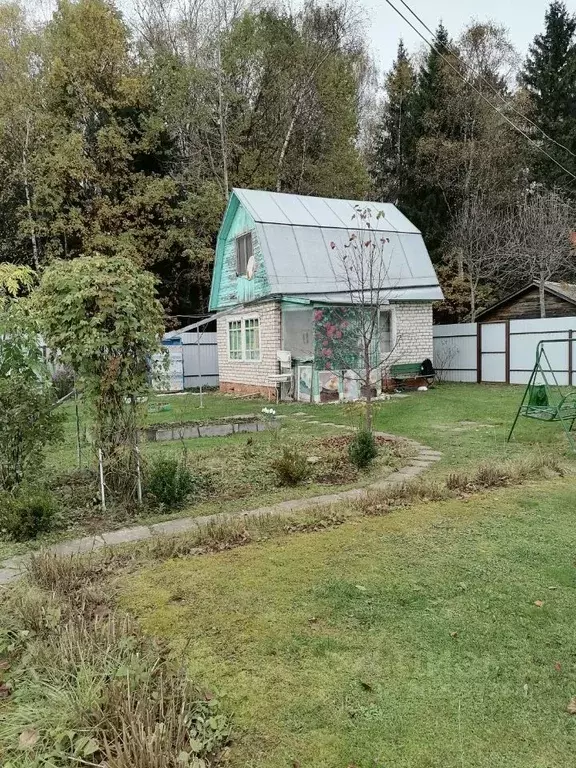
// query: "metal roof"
[[302, 240]]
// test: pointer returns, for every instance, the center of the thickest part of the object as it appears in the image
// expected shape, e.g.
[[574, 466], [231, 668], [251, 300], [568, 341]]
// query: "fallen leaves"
[[571, 708], [454, 634], [538, 603], [28, 738]]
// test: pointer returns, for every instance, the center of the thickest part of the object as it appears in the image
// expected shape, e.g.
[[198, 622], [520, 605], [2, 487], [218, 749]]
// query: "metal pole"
[[138, 476], [101, 468], [199, 366], [78, 446]]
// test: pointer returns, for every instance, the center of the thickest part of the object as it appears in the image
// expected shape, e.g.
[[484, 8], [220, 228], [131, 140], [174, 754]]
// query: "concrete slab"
[[125, 535], [77, 546], [171, 527]]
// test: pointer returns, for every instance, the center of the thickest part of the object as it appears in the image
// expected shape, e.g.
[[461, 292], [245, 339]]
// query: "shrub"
[[170, 482], [362, 450], [28, 423], [291, 467], [26, 513]]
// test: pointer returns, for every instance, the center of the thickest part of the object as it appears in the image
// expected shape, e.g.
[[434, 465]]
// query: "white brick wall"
[[252, 372], [413, 332]]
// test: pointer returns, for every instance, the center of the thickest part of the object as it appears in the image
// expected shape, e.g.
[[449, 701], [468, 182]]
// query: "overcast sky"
[[523, 18]]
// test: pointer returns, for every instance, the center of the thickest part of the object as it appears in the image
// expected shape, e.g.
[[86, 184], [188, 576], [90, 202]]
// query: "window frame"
[[243, 252], [255, 354]]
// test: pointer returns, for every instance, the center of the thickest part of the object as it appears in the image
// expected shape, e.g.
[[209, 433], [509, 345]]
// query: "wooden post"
[[478, 353], [507, 351]]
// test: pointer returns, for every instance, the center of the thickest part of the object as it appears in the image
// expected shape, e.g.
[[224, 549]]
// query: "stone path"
[[15, 567]]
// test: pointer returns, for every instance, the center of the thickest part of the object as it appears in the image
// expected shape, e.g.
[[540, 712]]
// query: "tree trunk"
[[28, 198], [284, 149], [222, 126], [472, 302], [542, 295], [367, 377]]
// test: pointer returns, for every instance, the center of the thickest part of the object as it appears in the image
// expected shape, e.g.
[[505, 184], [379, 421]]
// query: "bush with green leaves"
[[291, 467], [28, 424], [27, 512], [362, 449], [170, 482]]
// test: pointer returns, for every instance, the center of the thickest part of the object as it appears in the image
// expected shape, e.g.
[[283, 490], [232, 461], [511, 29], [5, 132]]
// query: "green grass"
[[409, 640]]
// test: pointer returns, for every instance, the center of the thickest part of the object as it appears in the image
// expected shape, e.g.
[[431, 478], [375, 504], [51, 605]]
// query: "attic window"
[[243, 252]]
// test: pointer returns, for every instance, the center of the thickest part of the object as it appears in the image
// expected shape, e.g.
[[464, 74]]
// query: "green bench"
[[405, 371]]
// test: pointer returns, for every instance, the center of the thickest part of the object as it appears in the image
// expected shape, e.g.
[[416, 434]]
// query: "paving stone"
[[7, 575], [171, 527], [248, 427], [77, 546], [164, 434], [124, 535]]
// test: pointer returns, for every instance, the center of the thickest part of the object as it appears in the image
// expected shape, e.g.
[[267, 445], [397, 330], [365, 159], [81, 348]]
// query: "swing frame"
[[564, 411]]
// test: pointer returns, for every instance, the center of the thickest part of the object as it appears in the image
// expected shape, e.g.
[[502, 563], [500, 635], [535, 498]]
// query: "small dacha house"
[[287, 309], [525, 304]]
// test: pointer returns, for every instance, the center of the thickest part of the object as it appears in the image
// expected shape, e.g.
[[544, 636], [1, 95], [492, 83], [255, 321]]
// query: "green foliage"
[[550, 75], [362, 449], [103, 316], [27, 512], [291, 467], [170, 482]]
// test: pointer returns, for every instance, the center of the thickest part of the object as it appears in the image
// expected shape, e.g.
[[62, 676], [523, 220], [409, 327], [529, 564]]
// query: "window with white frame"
[[244, 339], [235, 339], [385, 334]]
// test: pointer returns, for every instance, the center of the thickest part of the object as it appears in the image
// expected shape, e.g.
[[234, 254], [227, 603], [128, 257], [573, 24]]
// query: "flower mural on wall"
[[335, 344]]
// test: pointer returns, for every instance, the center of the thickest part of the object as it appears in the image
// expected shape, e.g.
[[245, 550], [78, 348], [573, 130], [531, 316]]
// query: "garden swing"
[[543, 398]]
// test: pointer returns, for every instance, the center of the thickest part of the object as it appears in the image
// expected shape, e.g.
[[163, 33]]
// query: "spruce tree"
[[392, 145], [550, 78]]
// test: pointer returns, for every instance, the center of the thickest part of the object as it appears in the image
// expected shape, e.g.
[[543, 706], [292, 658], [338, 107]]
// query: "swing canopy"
[[543, 397]]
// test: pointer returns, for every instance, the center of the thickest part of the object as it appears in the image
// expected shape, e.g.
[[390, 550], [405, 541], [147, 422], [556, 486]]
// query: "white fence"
[[504, 351], [193, 360]]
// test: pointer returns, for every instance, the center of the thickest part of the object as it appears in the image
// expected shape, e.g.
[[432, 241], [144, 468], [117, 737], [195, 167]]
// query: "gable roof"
[[566, 291], [301, 239]]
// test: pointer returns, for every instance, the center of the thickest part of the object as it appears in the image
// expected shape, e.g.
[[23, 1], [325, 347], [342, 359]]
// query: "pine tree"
[[391, 157], [550, 78]]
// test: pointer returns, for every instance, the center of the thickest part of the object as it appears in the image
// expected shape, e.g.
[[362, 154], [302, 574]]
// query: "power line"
[[479, 92], [491, 86]]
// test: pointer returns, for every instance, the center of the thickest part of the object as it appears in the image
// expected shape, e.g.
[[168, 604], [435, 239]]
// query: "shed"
[[524, 304], [278, 278]]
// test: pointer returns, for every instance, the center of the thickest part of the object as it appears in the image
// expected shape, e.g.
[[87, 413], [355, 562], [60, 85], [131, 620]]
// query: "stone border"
[[14, 568], [165, 432]]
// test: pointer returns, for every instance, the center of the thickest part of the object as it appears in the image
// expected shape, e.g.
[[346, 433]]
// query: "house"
[[559, 300], [278, 281]]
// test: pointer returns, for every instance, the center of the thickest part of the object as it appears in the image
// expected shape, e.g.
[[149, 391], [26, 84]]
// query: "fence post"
[[101, 468], [507, 351], [570, 355], [478, 353]]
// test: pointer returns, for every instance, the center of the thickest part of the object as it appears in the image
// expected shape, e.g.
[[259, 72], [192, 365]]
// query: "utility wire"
[[491, 85], [479, 92]]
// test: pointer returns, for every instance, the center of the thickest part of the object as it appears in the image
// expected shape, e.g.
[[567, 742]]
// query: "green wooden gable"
[[228, 288]]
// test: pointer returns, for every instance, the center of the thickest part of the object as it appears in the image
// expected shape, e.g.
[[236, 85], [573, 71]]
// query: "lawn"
[[439, 635], [467, 422]]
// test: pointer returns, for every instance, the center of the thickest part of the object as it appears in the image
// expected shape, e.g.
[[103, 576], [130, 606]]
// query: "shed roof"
[[302, 239], [566, 291]]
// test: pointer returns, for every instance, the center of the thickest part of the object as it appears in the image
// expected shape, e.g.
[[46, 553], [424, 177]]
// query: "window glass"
[[243, 252], [235, 339], [252, 338]]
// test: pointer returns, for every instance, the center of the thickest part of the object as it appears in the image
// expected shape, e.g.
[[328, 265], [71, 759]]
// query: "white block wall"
[[251, 372], [413, 332]]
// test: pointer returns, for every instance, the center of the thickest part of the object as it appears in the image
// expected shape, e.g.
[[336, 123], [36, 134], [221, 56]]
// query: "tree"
[[549, 75], [540, 240], [476, 241], [348, 337], [102, 315], [391, 157]]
